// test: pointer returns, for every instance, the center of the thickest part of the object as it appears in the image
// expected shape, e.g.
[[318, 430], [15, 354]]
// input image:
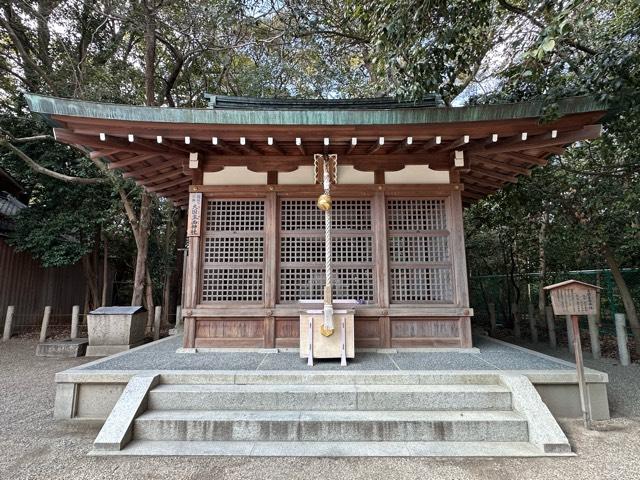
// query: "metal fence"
[[504, 291]]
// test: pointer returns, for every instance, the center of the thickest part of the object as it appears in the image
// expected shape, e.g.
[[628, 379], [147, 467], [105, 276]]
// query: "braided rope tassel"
[[328, 303]]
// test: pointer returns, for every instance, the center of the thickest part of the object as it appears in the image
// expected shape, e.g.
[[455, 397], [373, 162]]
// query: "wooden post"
[[585, 402], [75, 317], [551, 326], [532, 323], [191, 281], [157, 318], [594, 335], [621, 335], [570, 342], [270, 255], [382, 266], [8, 323], [492, 318], [45, 323], [516, 321]]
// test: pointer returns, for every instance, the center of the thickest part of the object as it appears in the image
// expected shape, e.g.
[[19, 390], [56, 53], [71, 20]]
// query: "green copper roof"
[[283, 115]]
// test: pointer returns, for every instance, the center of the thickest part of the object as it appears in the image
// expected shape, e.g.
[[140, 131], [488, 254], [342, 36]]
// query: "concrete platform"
[[65, 348], [90, 391]]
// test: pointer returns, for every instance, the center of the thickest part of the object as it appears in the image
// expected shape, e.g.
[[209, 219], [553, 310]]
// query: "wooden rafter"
[[167, 185], [132, 160], [544, 140], [488, 162], [160, 176], [521, 157]]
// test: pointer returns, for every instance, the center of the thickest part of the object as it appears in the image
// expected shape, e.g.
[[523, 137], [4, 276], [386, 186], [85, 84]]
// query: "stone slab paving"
[[492, 356]]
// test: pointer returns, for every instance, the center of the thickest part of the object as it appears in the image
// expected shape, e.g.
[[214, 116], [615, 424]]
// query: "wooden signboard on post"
[[576, 298], [195, 214]]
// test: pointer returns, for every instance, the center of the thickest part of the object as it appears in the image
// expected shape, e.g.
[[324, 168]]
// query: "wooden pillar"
[[270, 276], [456, 238], [382, 266], [191, 281], [458, 257]]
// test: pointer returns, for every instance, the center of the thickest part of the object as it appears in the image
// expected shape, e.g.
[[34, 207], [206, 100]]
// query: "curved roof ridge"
[[373, 103]]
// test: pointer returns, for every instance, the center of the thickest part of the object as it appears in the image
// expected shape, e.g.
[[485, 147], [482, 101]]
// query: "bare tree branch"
[[45, 171]]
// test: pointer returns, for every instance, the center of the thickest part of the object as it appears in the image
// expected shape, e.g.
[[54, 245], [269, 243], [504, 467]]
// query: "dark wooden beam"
[[478, 159], [167, 185], [301, 147], [159, 177], [402, 146], [376, 146], [477, 196], [131, 161], [496, 175], [460, 142], [481, 180], [544, 140], [521, 157], [275, 146], [152, 168], [555, 150], [428, 145]]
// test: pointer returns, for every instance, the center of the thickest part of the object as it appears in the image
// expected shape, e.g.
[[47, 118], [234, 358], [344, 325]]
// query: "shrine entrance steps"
[[332, 414]]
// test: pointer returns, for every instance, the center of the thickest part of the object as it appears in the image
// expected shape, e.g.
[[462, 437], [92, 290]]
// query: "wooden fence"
[[30, 287]]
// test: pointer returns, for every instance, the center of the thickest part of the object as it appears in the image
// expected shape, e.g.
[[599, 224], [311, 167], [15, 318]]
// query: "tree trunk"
[[144, 218], [142, 243], [92, 282], [150, 56], [627, 299]]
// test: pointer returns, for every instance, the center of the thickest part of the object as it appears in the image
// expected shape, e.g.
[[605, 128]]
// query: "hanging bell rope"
[[324, 204]]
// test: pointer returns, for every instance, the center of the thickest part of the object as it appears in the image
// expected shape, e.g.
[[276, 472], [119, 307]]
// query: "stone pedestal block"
[[66, 348], [115, 329]]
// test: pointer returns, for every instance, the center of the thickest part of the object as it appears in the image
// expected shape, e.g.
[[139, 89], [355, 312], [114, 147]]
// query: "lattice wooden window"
[[419, 259], [233, 269], [302, 251]]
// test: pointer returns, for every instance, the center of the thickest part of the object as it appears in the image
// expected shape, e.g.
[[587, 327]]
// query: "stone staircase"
[[332, 414]]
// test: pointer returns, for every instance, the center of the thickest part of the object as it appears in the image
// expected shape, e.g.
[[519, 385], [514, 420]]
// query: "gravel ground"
[[33, 446]]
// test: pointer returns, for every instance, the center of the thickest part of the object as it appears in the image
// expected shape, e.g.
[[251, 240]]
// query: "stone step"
[[331, 426], [330, 397], [331, 449], [328, 377]]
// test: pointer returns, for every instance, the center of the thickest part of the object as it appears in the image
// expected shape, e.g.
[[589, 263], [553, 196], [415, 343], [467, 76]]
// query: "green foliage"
[[592, 193], [62, 222], [420, 47]]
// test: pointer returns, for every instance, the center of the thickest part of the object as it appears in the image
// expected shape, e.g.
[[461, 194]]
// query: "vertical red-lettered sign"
[[195, 214]]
